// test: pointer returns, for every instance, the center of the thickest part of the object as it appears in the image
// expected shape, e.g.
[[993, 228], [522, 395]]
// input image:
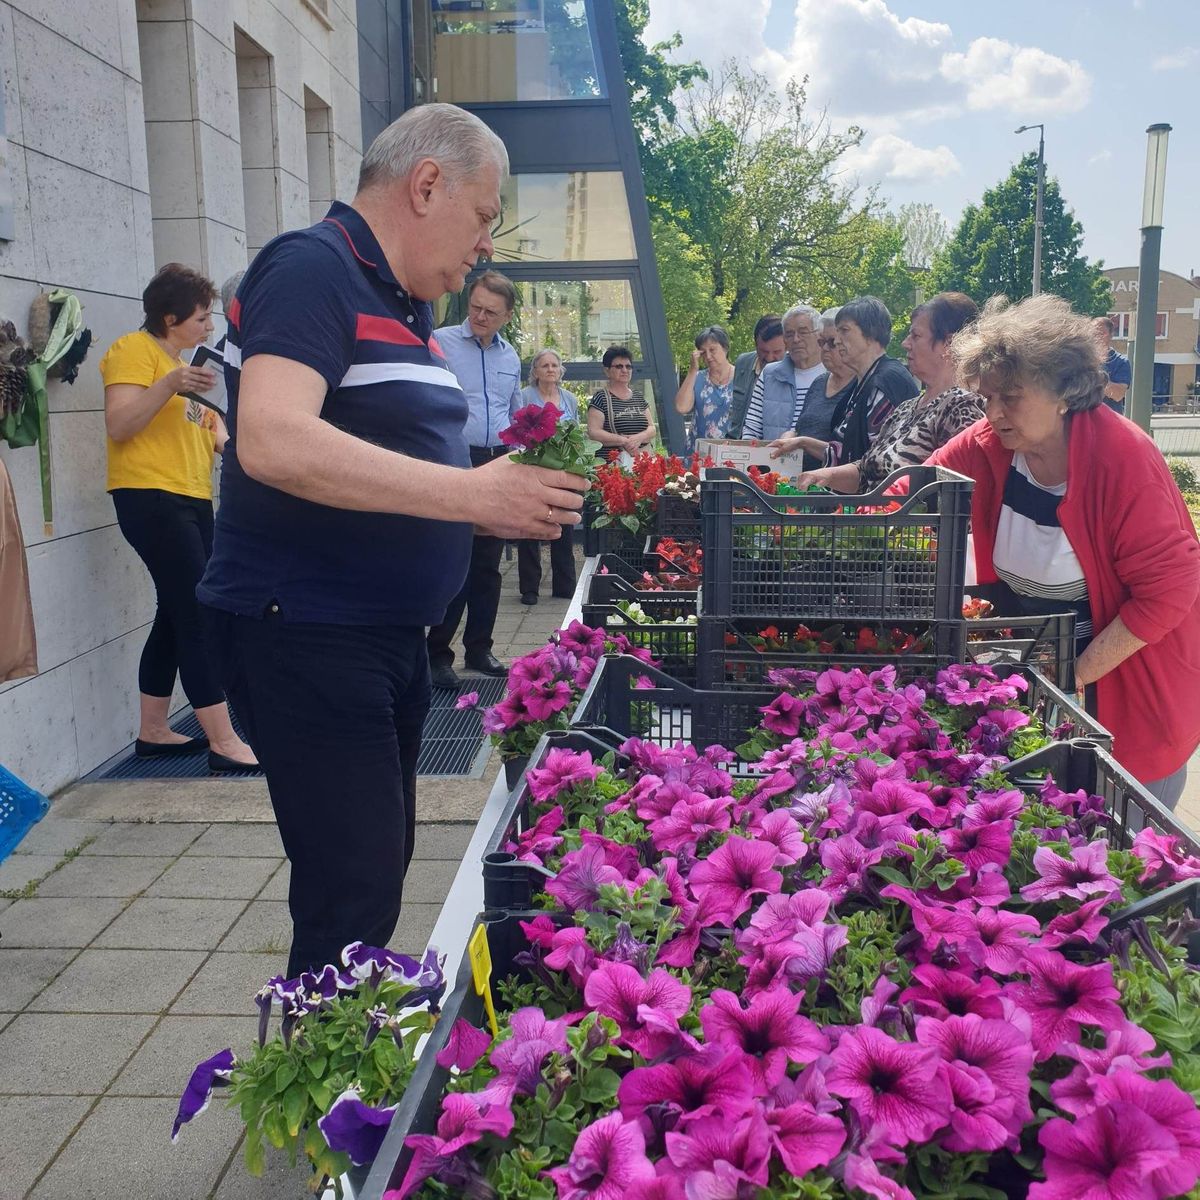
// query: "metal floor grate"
[[450, 744]]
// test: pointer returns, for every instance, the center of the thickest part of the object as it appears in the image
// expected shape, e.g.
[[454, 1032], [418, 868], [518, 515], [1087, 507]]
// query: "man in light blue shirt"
[[489, 371]]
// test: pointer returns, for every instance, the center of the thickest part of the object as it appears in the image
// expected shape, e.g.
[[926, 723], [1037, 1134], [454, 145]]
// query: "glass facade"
[[500, 51], [570, 216]]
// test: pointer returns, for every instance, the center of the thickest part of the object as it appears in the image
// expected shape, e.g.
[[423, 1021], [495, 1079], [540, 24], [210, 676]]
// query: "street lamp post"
[[1140, 403], [1037, 211]]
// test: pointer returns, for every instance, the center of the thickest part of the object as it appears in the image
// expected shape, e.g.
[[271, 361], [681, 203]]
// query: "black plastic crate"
[[825, 556], [613, 539], [677, 518], [1045, 643], [671, 642], [728, 654], [615, 578]]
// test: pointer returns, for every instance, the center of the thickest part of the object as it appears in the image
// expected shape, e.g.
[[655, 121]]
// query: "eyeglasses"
[[792, 334], [826, 343], [479, 312], [622, 367]]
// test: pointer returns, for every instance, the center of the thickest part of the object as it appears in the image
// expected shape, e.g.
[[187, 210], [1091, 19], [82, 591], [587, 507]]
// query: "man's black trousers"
[[334, 714], [480, 595]]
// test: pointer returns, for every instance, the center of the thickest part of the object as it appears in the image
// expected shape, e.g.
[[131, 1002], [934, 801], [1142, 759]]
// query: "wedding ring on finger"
[[550, 513]]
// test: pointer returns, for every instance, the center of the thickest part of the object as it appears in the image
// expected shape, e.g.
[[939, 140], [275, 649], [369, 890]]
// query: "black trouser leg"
[[173, 537], [334, 714], [562, 563], [529, 566], [483, 598]]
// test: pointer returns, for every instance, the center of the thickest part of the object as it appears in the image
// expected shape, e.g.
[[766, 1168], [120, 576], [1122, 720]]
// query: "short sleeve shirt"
[[174, 452], [325, 297], [628, 415]]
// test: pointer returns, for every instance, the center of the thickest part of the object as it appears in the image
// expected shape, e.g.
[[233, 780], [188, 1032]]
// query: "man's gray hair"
[[458, 141], [803, 310], [829, 317], [229, 289]]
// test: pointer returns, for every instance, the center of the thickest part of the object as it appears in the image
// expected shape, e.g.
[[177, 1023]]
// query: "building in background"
[[1177, 333]]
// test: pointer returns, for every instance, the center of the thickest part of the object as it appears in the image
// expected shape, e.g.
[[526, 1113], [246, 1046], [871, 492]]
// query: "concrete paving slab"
[[120, 981], [24, 973], [414, 927], [427, 882], [228, 878], [445, 799], [163, 1065], [163, 923], [227, 983], [280, 1180], [5, 1018], [239, 841], [448, 841], [34, 1128], [264, 928], [124, 1149], [277, 885], [169, 800], [57, 921], [92, 875], [127, 838], [57, 1054], [56, 834], [22, 869]]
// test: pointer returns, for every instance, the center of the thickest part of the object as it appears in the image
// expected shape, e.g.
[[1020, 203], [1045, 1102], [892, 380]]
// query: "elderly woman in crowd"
[[545, 375], [708, 393], [1074, 507], [617, 417], [919, 426]]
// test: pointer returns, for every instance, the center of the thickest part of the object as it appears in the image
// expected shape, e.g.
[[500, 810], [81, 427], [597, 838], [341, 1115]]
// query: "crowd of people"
[[323, 599]]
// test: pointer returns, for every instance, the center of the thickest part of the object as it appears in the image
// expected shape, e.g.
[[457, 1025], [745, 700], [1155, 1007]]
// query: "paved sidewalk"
[[150, 912]]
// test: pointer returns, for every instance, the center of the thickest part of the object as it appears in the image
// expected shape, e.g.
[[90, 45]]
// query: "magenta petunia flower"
[[894, 1087], [975, 846], [725, 883], [714, 1081], [1061, 996], [1127, 1047], [520, 1058], [1081, 927], [718, 1156], [580, 877], [609, 1156], [1081, 876], [1110, 1154], [784, 715], [561, 770], [531, 425], [689, 824], [768, 1033], [468, 700], [781, 830], [465, 1118], [987, 1065], [939, 992], [1164, 857], [803, 1138], [570, 951], [542, 700], [862, 1173], [465, 1046], [541, 839], [664, 1186], [1003, 936], [987, 807], [618, 990]]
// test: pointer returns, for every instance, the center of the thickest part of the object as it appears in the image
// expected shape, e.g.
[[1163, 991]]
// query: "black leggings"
[[173, 536]]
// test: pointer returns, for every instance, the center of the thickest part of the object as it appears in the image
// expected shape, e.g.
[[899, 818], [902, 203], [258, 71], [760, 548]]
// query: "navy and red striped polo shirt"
[[326, 297]]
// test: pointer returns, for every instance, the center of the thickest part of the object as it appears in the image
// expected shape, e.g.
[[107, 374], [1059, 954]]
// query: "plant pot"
[[514, 768]]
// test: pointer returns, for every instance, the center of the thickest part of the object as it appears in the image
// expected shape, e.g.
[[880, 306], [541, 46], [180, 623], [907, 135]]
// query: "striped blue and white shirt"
[[326, 297]]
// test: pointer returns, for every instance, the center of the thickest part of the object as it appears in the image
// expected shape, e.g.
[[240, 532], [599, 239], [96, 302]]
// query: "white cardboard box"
[[749, 452]]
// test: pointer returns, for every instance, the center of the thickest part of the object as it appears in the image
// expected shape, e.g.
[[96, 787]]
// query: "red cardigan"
[[1137, 546]]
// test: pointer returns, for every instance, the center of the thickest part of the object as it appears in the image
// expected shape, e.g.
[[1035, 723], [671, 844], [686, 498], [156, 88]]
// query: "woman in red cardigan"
[[1074, 508]]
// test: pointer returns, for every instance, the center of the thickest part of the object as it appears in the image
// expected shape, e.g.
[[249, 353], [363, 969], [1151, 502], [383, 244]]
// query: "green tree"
[[925, 233], [991, 251], [687, 300]]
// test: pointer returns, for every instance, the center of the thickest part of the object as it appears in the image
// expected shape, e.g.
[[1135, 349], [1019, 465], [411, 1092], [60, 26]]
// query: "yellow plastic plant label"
[[480, 955]]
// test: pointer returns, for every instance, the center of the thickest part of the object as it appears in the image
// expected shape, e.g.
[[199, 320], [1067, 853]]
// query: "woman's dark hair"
[[713, 333], [613, 353], [768, 327], [175, 291], [871, 315], [947, 313]]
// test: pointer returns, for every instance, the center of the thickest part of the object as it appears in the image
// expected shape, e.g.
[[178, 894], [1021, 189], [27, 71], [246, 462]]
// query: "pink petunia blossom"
[[780, 829], [862, 1173], [975, 846], [1081, 876], [1165, 859], [894, 1087], [784, 715], [664, 1186], [715, 1150], [581, 875], [726, 882], [618, 990], [570, 951], [1082, 927], [608, 1157], [560, 771], [541, 839], [699, 1085], [939, 992], [803, 1138], [531, 425], [689, 824], [521, 1057], [465, 1046], [1002, 934], [1061, 996], [465, 1118]]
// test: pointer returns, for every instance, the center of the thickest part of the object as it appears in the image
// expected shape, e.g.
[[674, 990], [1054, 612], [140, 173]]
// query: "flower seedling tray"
[[677, 518], [616, 578], [1046, 643], [667, 632], [877, 556], [612, 539]]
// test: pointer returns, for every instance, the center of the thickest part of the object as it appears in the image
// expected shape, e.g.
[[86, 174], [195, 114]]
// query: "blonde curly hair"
[[1039, 341]]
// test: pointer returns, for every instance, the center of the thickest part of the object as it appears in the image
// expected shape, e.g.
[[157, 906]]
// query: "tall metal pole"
[[1037, 215], [1140, 404]]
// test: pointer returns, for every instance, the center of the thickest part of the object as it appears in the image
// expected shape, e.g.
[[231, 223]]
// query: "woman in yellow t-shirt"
[[160, 459]]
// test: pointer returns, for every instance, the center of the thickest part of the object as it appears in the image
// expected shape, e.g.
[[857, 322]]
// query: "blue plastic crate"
[[21, 807]]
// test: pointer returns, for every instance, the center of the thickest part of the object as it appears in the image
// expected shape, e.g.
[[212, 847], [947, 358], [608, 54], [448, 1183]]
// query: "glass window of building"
[[564, 217], [506, 50]]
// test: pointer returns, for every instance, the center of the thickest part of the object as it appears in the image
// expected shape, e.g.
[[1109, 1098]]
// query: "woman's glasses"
[[827, 343]]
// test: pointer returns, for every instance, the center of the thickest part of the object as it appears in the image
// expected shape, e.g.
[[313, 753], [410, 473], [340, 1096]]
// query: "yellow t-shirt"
[[174, 452]]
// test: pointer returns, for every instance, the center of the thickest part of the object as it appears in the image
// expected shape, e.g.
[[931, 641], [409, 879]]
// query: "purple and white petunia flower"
[[355, 1129], [212, 1072]]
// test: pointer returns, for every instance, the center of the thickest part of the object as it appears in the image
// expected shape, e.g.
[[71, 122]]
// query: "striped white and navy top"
[[1033, 556]]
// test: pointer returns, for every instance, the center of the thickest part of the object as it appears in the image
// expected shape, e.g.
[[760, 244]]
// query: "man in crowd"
[[768, 348], [347, 509], [489, 371], [1120, 373], [777, 401]]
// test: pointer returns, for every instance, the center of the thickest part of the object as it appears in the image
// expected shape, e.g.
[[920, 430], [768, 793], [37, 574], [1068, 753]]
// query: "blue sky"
[[939, 88]]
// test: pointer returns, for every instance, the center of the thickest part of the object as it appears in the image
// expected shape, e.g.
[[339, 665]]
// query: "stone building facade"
[[140, 132]]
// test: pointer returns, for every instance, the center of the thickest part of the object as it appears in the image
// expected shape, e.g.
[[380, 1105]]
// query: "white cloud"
[[1180, 60], [726, 29], [895, 159], [1018, 79], [1101, 156]]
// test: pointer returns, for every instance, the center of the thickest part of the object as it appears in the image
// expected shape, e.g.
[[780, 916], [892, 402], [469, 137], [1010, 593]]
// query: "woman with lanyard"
[[545, 372]]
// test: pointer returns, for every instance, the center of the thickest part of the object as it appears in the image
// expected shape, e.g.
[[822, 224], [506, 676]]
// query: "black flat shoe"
[[219, 764], [445, 677], [529, 598], [564, 595], [487, 664], [143, 749]]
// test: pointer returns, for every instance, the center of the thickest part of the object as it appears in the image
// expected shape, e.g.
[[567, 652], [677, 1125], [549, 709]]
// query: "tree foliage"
[[925, 233], [991, 251]]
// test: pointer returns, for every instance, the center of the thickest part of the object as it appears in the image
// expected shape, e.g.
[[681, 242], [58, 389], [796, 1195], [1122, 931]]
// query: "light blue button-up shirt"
[[490, 376]]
